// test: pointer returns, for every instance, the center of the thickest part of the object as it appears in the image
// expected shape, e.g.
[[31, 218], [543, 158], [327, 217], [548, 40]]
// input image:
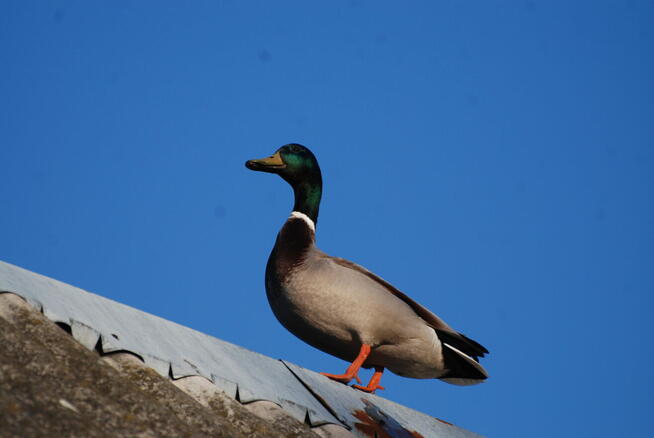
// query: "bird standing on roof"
[[347, 311]]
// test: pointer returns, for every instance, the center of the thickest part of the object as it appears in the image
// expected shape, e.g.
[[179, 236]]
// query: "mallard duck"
[[347, 311]]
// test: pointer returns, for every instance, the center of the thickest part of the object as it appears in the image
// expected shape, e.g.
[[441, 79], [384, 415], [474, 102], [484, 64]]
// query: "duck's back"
[[348, 299]]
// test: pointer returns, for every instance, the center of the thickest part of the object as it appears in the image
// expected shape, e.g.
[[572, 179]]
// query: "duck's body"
[[345, 310]]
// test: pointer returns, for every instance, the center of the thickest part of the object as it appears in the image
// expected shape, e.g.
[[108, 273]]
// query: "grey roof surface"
[[178, 351]]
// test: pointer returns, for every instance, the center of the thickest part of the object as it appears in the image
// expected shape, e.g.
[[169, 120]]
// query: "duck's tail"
[[460, 358]]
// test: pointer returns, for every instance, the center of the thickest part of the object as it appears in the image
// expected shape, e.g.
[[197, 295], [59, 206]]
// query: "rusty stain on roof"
[[376, 424]]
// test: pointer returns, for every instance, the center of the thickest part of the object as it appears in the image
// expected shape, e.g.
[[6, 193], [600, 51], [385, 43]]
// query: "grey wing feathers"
[[445, 333]]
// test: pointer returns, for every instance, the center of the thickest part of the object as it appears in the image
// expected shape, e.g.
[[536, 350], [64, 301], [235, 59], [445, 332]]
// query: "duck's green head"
[[293, 162], [299, 167]]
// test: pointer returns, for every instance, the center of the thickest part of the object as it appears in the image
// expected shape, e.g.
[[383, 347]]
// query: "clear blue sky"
[[494, 160]]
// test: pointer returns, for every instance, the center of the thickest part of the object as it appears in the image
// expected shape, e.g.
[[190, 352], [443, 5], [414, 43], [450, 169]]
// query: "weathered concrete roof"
[[226, 390]]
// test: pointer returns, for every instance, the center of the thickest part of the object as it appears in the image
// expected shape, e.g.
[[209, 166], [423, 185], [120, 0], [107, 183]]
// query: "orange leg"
[[374, 381], [353, 369]]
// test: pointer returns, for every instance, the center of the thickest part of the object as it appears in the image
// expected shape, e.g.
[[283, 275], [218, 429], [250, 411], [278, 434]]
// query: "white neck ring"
[[305, 218]]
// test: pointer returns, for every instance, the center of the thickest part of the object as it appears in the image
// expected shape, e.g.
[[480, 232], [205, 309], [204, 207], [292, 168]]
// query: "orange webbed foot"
[[353, 369], [373, 385], [368, 389]]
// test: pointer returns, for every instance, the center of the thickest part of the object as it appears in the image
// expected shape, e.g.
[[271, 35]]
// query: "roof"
[[226, 390]]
